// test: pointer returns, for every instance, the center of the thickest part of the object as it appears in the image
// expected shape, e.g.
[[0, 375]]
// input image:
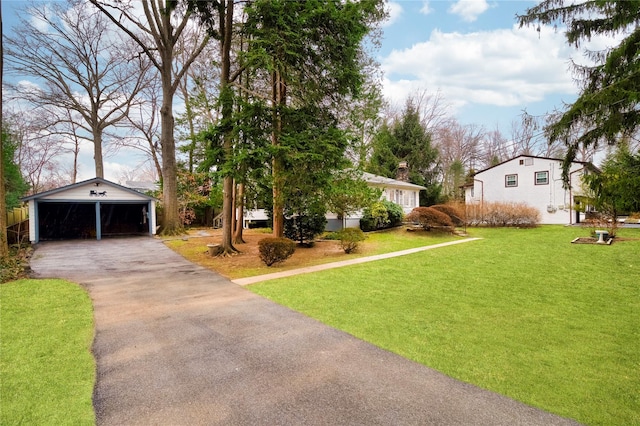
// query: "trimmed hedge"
[[275, 250]]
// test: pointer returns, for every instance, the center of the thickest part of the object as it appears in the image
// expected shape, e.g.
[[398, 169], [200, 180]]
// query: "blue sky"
[[486, 69]]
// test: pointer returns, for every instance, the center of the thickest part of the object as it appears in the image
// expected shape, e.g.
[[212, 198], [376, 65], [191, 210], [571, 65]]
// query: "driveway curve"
[[177, 344]]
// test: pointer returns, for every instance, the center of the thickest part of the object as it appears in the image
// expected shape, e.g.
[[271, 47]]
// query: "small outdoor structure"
[[94, 208]]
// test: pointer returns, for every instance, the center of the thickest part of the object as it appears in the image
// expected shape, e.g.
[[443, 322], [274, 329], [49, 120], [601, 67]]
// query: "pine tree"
[[608, 107]]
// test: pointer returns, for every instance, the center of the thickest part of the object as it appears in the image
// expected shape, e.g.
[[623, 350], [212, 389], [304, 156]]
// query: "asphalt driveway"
[[177, 344]]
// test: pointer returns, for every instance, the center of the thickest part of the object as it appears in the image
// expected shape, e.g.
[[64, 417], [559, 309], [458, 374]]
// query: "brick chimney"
[[403, 172]]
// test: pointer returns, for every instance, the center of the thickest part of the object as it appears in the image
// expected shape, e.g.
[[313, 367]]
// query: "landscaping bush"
[[381, 215], [395, 212], [16, 265], [454, 211], [305, 228], [275, 250], [429, 218], [350, 239], [502, 215], [596, 221]]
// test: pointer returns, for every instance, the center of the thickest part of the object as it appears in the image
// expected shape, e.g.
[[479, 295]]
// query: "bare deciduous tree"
[[156, 31], [145, 126], [40, 150], [77, 62], [459, 148], [493, 150]]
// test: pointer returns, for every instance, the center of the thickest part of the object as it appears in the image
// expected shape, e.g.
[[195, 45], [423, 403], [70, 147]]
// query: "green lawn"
[[46, 367], [522, 312]]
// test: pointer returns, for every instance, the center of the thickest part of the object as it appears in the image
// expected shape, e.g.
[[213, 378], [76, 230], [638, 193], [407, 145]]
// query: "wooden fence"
[[18, 225], [17, 215]]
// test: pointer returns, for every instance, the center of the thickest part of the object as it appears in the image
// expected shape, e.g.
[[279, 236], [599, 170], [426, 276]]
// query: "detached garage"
[[94, 208]]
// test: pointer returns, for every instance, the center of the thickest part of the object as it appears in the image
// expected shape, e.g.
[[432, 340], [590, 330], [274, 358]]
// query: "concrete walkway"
[[177, 344], [316, 268]]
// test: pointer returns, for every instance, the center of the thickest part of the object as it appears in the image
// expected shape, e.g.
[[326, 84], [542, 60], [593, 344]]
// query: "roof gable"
[[584, 163], [90, 182]]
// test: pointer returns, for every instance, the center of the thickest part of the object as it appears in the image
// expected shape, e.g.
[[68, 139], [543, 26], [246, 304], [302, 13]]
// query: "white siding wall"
[[551, 199], [406, 198]]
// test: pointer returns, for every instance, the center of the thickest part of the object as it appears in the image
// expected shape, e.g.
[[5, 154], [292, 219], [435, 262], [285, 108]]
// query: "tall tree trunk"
[[171, 224], [234, 210], [4, 244], [226, 99], [237, 235], [278, 101], [97, 153]]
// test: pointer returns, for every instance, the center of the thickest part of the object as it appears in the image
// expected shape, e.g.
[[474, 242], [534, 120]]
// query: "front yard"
[[46, 368], [522, 312]]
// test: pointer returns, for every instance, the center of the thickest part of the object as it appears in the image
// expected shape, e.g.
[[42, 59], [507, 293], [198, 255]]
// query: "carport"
[[91, 209]]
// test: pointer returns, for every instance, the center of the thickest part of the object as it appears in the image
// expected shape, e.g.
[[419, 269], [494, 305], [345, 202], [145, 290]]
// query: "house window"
[[542, 178], [511, 180]]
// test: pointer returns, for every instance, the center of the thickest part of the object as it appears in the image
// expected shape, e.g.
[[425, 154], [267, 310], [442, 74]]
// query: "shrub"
[[382, 214], [395, 213], [350, 239], [429, 217], [374, 217], [305, 228], [598, 221], [16, 265], [454, 211], [502, 214], [331, 236], [275, 250]]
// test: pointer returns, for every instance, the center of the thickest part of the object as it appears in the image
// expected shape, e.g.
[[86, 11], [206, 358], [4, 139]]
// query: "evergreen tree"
[[405, 139], [310, 54], [608, 107], [14, 184], [616, 189]]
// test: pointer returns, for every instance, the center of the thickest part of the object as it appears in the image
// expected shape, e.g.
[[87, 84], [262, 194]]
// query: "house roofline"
[[584, 163], [381, 180], [95, 180]]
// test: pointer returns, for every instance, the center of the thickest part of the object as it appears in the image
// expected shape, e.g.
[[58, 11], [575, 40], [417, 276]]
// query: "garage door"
[[78, 220]]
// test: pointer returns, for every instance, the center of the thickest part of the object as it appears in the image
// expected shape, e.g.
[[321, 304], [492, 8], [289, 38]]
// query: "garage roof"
[[90, 182]]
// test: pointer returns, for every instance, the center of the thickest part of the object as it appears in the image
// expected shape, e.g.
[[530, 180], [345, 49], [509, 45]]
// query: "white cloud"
[[426, 8], [505, 67], [469, 10], [395, 11]]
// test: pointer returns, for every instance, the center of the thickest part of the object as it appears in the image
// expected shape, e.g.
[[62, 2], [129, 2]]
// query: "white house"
[[536, 181], [405, 194]]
